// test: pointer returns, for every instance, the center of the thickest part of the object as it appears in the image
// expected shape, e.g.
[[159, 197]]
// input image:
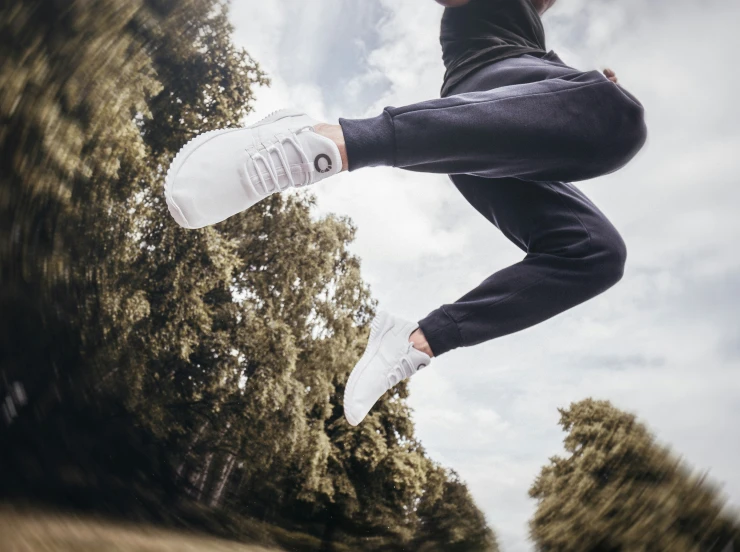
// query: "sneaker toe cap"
[[363, 391], [204, 184], [354, 413]]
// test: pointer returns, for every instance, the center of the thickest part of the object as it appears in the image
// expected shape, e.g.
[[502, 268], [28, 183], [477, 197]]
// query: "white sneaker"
[[389, 359], [223, 172]]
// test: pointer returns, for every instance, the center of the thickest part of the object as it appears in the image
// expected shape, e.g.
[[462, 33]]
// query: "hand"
[[611, 75]]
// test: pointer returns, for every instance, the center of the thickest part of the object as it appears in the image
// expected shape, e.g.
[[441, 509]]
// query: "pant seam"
[[395, 144], [454, 322], [468, 104]]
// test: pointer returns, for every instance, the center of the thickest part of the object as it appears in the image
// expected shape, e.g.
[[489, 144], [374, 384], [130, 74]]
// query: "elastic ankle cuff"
[[441, 332], [370, 142]]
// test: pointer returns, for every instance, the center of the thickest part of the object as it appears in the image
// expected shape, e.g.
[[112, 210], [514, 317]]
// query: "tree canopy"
[[148, 368], [620, 490]]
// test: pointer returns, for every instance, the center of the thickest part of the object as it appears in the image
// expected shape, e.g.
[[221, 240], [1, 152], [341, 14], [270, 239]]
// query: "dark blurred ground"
[[46, 532]]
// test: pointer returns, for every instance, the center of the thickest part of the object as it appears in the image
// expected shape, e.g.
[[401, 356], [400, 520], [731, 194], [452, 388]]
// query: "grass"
[[45, 532]]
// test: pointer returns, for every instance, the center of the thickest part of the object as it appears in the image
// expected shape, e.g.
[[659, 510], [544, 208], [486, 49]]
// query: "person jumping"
[[513, 127]]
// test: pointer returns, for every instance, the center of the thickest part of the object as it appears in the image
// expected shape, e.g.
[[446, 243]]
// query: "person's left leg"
[[573, 253]]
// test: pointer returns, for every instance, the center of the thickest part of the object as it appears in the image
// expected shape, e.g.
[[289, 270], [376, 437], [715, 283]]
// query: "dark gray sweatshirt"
[[486, 31]]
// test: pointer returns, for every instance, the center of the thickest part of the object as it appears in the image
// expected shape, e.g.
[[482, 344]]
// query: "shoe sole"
[[377, 325], [194, 144]]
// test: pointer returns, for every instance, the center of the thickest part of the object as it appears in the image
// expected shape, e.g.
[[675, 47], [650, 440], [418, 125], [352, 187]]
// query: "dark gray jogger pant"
[[509, 136]]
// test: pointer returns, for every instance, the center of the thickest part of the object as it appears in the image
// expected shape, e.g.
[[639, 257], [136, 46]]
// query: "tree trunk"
[[221, 485], [202, 477], [194, 442]]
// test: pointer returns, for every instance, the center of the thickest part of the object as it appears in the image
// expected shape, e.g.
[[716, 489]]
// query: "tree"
[[620, 490], [449, 519], [147, 369], [72, 79]]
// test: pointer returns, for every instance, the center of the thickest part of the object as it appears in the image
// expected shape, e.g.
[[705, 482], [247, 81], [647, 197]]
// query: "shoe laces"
[[403, 369], [278, 146]]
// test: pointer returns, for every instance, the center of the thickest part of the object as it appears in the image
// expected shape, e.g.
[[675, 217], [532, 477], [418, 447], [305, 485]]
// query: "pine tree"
[[620, 490]]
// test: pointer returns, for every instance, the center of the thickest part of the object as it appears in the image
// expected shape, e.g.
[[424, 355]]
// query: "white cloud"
[[664, 343]]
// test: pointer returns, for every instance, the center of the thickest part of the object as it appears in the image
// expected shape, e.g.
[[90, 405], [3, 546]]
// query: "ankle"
[[336, 135], [420, 342]]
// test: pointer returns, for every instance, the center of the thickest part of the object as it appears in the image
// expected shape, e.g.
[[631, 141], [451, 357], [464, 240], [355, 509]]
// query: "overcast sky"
[[664, 343]]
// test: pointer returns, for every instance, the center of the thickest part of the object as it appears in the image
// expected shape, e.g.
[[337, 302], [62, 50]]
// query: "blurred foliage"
[[182, 376], [619, 490]]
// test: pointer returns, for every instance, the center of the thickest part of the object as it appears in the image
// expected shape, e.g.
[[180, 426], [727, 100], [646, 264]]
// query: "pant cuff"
[[370, 142], [441, 332]]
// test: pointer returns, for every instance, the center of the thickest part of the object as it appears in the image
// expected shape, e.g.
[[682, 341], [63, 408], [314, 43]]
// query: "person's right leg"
[[573, 253], [553, 123]]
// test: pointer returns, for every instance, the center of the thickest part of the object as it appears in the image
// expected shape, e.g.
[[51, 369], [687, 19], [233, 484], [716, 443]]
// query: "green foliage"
[[449, 518], [620, 490], [166, 373]]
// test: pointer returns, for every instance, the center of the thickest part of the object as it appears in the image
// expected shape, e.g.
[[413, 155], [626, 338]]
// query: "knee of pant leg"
[[626, 131], [610, 256]]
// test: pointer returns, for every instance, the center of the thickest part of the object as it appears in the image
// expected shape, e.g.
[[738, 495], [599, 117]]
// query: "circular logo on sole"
[[317, 163]]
